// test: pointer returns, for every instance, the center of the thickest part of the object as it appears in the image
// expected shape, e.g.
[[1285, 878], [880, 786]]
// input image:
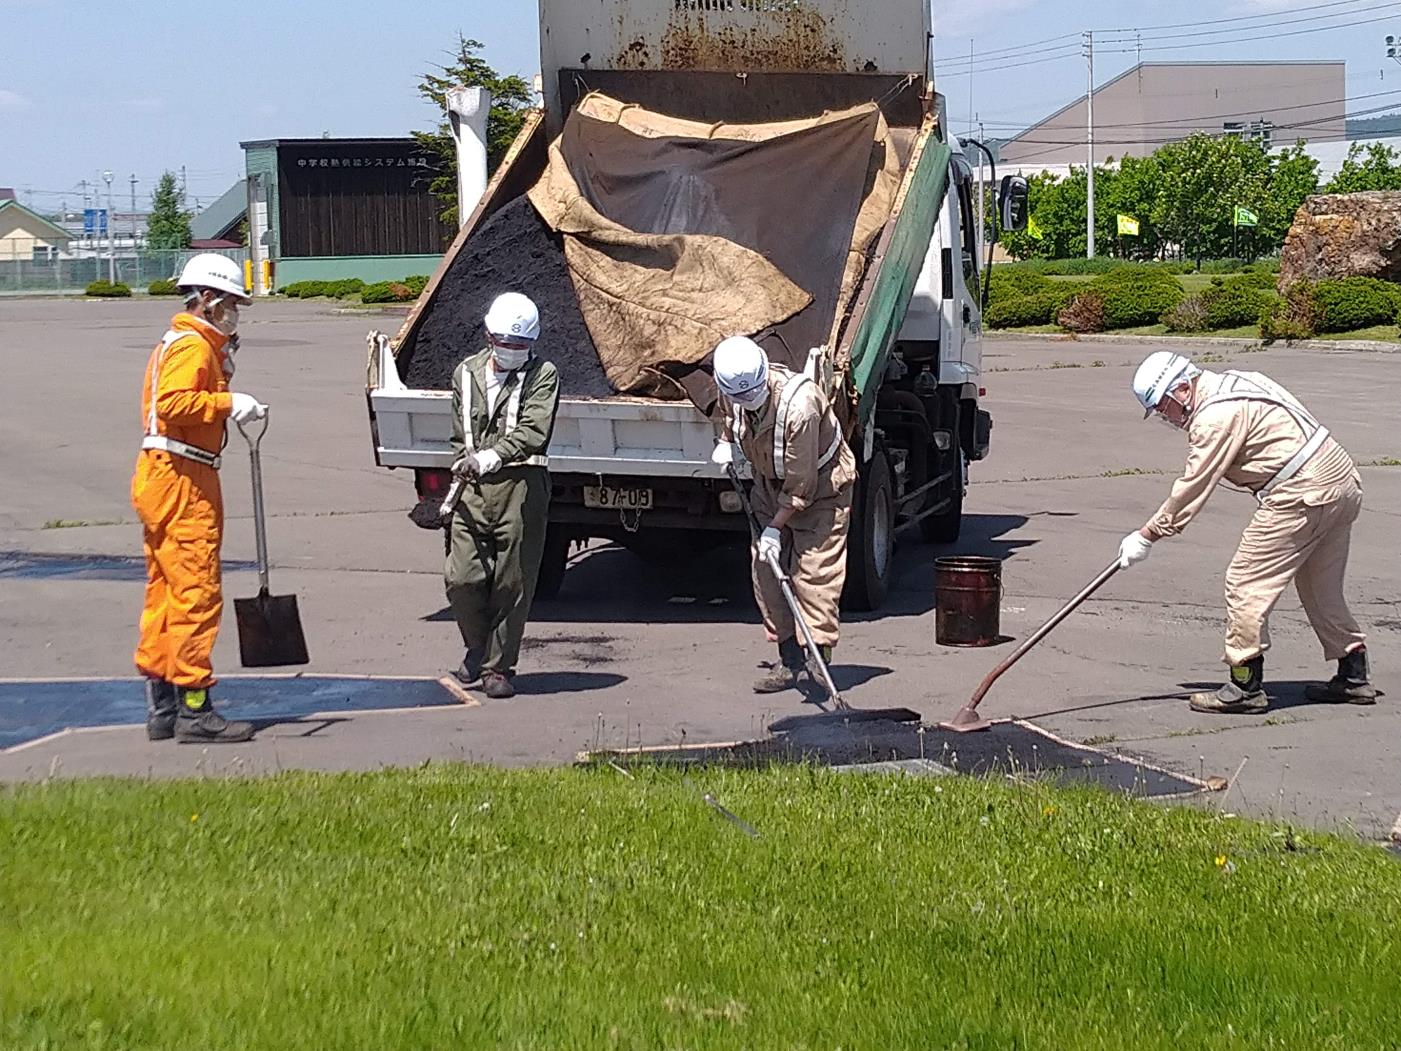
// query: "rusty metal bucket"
[[967, 600]]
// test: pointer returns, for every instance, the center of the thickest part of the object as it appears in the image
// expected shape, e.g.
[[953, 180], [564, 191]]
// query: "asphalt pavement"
[[637, 653]]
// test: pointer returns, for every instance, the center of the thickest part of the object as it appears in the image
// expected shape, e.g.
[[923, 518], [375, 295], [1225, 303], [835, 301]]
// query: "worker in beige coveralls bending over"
[[1247, 430], [803, 477]]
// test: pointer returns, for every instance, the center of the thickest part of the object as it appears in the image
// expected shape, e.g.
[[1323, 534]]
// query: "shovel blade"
[[270, 631]]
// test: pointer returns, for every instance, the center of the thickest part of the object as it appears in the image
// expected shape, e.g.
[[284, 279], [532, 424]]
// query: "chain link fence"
[[74, 275]]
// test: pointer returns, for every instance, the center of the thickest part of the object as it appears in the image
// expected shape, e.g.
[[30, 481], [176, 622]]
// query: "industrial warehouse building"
[[325, 209], [1276, 103]]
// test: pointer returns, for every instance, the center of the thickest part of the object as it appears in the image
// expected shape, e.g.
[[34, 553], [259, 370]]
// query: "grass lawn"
[[464, 907]]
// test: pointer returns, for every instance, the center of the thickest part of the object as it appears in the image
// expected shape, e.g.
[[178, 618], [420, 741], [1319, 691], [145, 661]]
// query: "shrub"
[[305, 289], [1188, 316], [1136, 295], [163, 286], [108, 290], [1221, 266], [387, 292], [1292, 316], [1084, 313], [1008, 282], [346, 287], [1022, 311], [1355, 302], [416, 284], [1234, 305]]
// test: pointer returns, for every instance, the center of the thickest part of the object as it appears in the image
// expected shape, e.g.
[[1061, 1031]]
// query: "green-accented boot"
[[1244, 694], [783, 675], [161, 708], [1350, 686], [198, 722]]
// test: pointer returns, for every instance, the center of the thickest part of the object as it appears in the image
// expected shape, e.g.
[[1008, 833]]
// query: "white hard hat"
[[741, 369], [513, 316], [214, 271], [1160, 372]]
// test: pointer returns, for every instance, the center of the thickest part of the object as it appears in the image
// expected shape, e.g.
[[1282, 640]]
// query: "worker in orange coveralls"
[[184, 404]]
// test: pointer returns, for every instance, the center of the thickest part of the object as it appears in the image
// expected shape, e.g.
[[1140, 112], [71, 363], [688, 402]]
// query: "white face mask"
[[751, 399], [508, 359], [223, 315]]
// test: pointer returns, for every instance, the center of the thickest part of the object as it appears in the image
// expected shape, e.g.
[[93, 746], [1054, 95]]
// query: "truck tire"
[[870, 546], [945, 527], [553, 564]]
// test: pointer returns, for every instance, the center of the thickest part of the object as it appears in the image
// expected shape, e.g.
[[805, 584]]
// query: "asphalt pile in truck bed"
[[513, 251]]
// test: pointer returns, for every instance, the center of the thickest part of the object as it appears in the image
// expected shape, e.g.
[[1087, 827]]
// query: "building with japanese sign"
[[325, 209]]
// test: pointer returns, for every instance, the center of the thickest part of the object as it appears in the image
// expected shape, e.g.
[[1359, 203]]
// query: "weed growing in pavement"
[[71, 523], [1384, 461]]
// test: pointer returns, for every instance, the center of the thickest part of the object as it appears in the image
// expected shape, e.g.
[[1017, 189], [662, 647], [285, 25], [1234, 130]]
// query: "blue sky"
[[141, 87]]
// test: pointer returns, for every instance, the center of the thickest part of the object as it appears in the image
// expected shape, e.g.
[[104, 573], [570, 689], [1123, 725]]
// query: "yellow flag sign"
[[1128, 226]]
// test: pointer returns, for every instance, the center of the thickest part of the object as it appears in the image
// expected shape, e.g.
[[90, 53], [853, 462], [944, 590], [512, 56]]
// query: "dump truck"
[[901, 361]]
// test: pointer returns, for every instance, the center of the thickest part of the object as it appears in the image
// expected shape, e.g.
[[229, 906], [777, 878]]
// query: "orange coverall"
[[181, 506]]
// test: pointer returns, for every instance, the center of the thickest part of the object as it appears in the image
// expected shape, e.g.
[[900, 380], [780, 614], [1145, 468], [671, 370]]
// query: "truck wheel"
[[870, 546], [553, 564]]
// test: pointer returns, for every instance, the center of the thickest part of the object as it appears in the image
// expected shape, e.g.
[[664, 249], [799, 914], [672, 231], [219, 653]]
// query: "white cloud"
[[12, 100], [149, 104]]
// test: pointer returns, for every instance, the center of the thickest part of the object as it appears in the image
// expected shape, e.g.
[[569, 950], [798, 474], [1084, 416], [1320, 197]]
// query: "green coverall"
[[498, 526]]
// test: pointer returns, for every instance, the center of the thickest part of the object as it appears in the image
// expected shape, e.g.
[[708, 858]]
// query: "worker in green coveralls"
[[504, 399]]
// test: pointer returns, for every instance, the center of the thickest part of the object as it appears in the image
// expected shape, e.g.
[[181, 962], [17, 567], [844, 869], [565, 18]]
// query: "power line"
[[1249, 39], [1222, 21], [1135, 38]]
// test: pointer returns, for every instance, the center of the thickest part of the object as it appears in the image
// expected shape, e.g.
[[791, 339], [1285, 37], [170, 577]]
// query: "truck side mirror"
[[1012, 202]]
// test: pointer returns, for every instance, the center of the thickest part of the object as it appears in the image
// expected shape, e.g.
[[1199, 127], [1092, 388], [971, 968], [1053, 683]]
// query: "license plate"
[[617, 498]]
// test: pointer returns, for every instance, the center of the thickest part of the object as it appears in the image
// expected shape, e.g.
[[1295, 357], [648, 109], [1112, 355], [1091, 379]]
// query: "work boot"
[[1350, 685], [470, 670], [497, 686], [1244, 694], [783, 675], [161, 706], [199, 723]]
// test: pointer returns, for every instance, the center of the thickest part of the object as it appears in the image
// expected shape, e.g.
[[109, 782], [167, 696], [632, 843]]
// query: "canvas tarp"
[[678, 234]]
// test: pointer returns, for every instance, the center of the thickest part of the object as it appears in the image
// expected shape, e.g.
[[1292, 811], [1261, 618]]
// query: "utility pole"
[[111, 233], [133, 210], [1090, 147], [970, 85], [182, 184], [982, 208]]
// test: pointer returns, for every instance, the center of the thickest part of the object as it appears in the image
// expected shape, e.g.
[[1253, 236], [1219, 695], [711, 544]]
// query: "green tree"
[[1203, 180], [169, 224], [1133, 190], [510, 101], [1374, 167], [1293, 178]]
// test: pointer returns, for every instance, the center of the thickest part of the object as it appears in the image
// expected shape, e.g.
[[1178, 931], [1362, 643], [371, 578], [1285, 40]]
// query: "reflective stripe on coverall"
[[180, 505], [1244, 431], [816, 479], [497, 536]]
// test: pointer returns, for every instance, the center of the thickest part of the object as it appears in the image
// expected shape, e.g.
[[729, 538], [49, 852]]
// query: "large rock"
[[1344, 235]]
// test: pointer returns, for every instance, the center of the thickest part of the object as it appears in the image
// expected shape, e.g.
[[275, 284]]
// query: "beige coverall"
[[814, 554], [498, 529], [1302, 527]]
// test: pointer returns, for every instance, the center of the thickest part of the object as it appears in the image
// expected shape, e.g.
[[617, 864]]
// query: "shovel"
[[269, 626]]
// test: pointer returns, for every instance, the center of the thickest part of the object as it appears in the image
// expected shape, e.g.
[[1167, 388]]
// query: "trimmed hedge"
[[1136, 296], [1023, 311], [1231, 305], [1355, 302], [105, 289], [387, 292], [163, 286]]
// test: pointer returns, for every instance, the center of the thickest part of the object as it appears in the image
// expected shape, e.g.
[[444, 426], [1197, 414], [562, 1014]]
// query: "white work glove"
[[247, 408], [1133, 549], [477, 464], [770, 544], [488, 462], [724, 454]]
